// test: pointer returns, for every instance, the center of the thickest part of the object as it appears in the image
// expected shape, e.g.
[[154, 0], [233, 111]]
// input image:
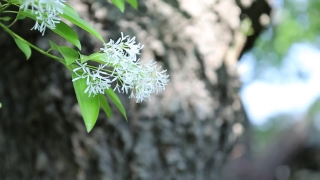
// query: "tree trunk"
[[184, 133]]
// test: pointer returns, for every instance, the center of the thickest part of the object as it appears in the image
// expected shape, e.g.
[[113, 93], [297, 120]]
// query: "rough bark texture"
[[184, 133]]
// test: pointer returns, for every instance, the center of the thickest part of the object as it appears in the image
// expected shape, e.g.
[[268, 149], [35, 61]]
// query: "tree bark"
[[184, 133]]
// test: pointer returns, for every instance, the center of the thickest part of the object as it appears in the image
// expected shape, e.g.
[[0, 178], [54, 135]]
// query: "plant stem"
[[5, 28], [5, 6]]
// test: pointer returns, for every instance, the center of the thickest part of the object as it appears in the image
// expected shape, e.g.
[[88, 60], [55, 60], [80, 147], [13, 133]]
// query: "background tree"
[[184, 133], [286, 145]]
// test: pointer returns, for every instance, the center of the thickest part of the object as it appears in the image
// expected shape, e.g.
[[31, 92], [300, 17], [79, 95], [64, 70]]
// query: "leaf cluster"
[[89, 106]]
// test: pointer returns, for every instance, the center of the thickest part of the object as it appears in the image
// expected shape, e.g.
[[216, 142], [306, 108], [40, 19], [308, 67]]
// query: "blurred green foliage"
[[294, 21]]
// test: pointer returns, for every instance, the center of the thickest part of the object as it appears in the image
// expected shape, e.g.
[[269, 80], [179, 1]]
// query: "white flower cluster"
[[97, 80], [47, 12], [126, 70]]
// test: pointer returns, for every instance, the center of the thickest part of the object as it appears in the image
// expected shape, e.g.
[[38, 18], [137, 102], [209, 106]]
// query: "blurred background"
[[280, 95], [242, 102]]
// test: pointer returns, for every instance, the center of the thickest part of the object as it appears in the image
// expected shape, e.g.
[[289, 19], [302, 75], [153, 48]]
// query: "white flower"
[[126, 70], [96, 79], [151, 80], [123, 48], [47, 12]]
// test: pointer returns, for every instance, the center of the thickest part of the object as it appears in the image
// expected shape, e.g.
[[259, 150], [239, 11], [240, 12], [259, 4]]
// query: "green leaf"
[[97, 57], [62, 29], [24, 47], [89, 106], [105, 105], [133, 3], [113, 96], [70, 10], [6, 18], [84, 58], [54, 46], [119, 4], [69, 54], [21, 16], [70, 14], [67, 33]]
